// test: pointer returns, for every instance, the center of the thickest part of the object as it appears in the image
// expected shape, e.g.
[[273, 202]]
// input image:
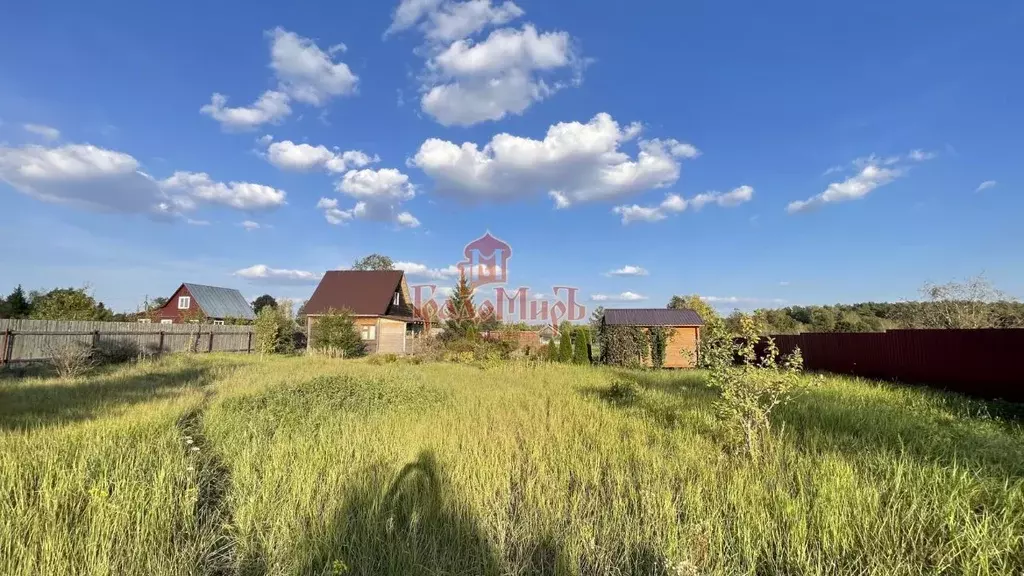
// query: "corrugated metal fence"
[[987, 363], [27, 340]]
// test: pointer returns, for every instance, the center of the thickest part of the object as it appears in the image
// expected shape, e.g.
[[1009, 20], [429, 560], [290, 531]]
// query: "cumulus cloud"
[[853, 188], [250, 225], [241, 195], [674, 203], [379, 195], [45, 132], [304, 72], [574, 163], [623, 297], [288, 155], [270, 108], [985, 185], [108, 180], [417, 270], [263, 274], [628, 271], [307, 73], [467, 80], [471, 82]]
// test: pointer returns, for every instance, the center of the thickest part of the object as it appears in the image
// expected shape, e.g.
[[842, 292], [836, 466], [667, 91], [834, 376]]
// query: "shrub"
[[335, 334], [752, 389], [551, 351], [70, 358], [582, 338], [266, 331], [378, 359], [115, 352], [565, 345]]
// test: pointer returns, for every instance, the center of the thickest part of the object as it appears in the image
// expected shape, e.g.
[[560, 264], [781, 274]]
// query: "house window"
[[397, 297], [369, 332], [218, 322], [144, 320], [167, 321], [184, 302]]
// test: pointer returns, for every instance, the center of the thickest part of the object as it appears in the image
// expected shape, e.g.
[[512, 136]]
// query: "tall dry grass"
[[318, 466]]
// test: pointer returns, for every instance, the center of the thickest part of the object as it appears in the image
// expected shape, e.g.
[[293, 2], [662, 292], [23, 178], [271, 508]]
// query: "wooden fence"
[[30, 340], [987, 363]]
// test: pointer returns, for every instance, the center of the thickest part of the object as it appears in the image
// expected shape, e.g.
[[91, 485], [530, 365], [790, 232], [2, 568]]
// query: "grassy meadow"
[[225, 464]]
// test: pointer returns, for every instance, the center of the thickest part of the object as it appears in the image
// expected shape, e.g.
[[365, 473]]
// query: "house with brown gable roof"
[[379, 302]]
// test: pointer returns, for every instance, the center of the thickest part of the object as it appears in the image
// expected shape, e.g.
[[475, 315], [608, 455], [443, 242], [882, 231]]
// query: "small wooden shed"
[[683, 325]]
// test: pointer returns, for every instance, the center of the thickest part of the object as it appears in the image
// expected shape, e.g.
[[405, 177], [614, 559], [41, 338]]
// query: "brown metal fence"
[[987, 363]]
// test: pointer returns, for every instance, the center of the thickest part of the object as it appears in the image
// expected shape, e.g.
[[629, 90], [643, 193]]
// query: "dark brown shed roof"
[[651, 317], [361, 292]]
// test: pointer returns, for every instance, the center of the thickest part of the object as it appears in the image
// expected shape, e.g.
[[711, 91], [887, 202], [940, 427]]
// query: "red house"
[[190, 302]]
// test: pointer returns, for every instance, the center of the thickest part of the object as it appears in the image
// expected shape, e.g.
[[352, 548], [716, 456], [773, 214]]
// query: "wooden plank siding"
[[681, 350], [391, 336]]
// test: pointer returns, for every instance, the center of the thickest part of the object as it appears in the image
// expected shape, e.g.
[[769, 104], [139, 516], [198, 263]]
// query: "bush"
[[335, 335], [752, 389], [624, 345], [70, 358], [378, 359], [551, 351], [659, 337], [565, 345], [582, 339], [115, 352]]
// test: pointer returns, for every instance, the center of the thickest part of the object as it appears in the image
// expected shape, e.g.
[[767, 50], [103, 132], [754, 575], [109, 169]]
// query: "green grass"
[[231, 465]]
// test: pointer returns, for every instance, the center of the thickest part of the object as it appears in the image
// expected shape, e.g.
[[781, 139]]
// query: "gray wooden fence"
[[29, 340]]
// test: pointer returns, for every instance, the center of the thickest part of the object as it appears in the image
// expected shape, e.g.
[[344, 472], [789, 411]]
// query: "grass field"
[[232, 465]]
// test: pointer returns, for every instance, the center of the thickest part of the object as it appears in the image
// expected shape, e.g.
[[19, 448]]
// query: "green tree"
[[265, 300], [552, 351], [487, 318], [595, 319], [715, 346], [335, 334], [374, 262], [17, 306], [461, 320], [565, 345], [266, 331], [581, 338], [68, 304]]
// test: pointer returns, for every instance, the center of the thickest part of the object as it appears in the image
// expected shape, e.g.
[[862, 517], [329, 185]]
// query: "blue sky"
[[757, 154]]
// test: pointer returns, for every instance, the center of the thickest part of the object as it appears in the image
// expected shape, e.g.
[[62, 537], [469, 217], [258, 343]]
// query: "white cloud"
[[46, 132], [986, 185], [271, 107], [628, 271], [380, 194], [574, 163], [108, 180], [869, 178], [726, 200], [250, 225], [445, 21], [288, 155], [83, 175], [304, 73], [921, 155], [192, 222], [623, 297], [675, 203], [784, 283], [241, 195], [263, 274], [415, 269], [307, 73], [471, 82]]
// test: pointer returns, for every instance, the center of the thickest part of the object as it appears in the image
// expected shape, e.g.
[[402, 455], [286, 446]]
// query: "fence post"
[[210, 347], [248, 347], [7, 347], [95, 339], [160, 348]]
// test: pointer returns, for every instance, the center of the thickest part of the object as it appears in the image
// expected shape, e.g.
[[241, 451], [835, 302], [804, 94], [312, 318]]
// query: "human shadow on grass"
[[826, 418], [31, 404], [408, 525]]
